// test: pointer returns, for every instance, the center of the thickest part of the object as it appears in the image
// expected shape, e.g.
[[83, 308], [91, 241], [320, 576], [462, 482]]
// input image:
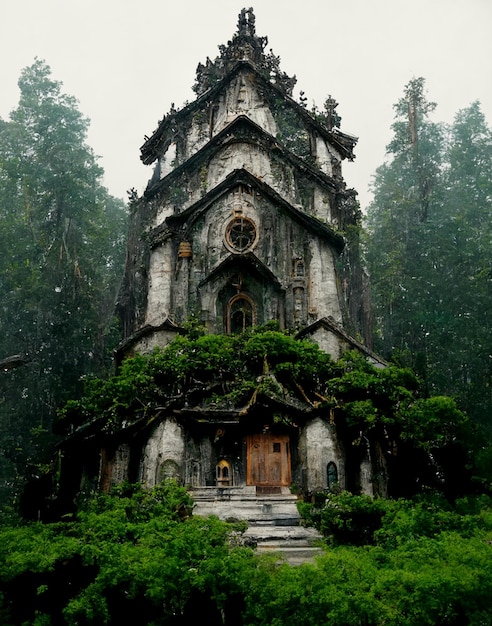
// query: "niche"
[[224, 473], [168, 470]]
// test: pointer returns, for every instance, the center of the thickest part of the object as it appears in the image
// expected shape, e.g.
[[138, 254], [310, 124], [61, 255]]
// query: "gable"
[[245, 146], [234, 190], [242, 90]]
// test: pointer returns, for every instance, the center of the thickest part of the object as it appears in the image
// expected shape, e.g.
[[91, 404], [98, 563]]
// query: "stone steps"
[[273, 521], [244, 504], [294, 544]]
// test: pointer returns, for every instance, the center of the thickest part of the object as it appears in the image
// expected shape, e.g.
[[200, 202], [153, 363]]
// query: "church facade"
[[243, 222]]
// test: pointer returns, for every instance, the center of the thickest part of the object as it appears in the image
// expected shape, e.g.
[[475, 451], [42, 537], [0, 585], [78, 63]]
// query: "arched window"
[[332, 474], [240, 313], [167, 470]]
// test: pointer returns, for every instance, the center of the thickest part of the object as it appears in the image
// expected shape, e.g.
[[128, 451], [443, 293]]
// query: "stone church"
[[244, 221]]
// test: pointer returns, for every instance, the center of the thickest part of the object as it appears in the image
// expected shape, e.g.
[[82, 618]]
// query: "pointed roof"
[[243, 177], [249, 261], [245, 45], [331, 325], [242, 128], [244, 52]]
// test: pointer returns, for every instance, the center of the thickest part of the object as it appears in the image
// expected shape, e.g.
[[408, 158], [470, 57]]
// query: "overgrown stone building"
[[244, 221]]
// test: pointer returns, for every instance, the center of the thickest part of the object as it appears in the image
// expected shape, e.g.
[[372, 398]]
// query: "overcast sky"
[[126, 61]]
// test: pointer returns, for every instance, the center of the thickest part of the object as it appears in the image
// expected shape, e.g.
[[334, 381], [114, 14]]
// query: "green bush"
[[136, 556]]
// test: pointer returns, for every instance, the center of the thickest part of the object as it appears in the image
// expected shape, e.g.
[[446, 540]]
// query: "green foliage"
[[134, 544], [370, 395], [344, 518], [137, 556], [433, 422], [62, 237], [384, 405], [347, 519], [428, 248], [226, 370], [433, 568]]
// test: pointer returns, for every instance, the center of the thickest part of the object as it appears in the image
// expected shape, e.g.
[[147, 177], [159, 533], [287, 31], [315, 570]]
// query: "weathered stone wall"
[[319, 446], [155, 339], [263, 160], [298, 284], [164, 453], [160, 283], [329, 342]]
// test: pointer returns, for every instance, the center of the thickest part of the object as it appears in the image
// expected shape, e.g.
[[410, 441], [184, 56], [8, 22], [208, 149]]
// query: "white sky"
[[126, 61]]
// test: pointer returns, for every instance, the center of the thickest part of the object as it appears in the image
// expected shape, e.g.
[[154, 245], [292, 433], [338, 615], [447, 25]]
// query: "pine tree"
[[400, 220], [62, 239], [429, 245]]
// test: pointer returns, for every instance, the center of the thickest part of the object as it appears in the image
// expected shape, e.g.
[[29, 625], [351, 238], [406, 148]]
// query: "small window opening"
[[299, 267], [332, 473]]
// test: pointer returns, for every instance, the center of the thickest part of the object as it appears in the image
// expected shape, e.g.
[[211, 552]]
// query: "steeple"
[[245, 45], [247, 190]]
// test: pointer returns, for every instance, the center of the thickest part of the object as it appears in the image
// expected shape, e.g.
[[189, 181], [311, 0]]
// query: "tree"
[[407, 197], [429, 246], [62, 238], [461, 335]]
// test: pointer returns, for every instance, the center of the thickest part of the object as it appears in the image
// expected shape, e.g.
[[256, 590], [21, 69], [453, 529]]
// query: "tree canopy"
[[62, 237], [429, 247]]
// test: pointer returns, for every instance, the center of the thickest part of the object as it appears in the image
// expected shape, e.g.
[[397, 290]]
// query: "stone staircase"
[[294, 544], [273, 520]]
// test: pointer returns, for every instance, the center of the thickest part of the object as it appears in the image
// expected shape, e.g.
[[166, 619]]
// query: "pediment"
[[185, 220], [249, 263], [241, 130], [157, 143]]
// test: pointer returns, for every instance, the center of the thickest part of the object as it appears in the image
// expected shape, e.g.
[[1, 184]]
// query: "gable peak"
[[245, 45]]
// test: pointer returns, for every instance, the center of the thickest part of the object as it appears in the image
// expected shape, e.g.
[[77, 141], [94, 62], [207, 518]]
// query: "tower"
[[243, 219]]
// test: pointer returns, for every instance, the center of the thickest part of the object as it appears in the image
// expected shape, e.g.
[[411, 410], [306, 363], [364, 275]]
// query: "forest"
[[421, 556]]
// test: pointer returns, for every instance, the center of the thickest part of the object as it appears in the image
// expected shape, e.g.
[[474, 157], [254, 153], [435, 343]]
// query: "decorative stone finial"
[[246, 22]]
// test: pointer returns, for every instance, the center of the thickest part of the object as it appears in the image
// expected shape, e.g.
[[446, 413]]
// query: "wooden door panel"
[[268, 460]]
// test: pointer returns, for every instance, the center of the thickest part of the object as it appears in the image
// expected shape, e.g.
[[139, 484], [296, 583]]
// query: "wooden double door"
[[268, 460]]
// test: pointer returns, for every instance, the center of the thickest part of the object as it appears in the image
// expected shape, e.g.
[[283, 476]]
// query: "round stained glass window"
[[241, 233]]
